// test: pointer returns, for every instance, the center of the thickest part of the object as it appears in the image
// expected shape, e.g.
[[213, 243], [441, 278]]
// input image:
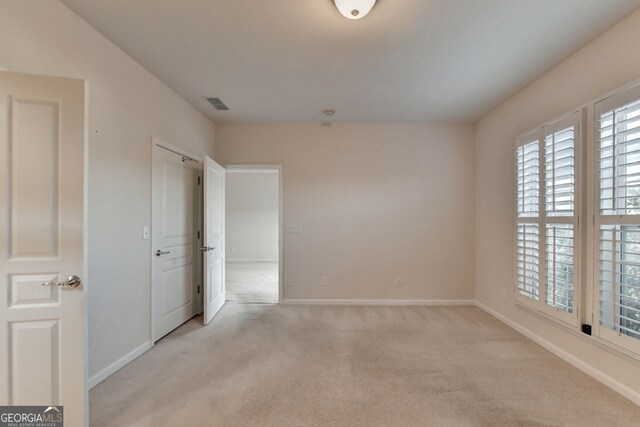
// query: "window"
[[548, 213], [617, 219], [547, 227]]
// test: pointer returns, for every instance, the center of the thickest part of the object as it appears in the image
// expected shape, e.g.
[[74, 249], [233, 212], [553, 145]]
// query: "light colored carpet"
[[252, 281], [272, 365]]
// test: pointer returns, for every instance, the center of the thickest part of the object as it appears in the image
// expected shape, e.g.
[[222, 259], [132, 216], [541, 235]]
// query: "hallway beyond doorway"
[[250, 282]]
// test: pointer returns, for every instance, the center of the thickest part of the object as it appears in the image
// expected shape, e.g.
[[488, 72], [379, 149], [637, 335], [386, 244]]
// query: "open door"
[[213, 247], [173, 239], [42, 249]]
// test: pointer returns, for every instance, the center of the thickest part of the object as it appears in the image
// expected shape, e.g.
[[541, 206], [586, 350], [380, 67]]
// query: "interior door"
[[42, 250], [214, 295], [174, 239]]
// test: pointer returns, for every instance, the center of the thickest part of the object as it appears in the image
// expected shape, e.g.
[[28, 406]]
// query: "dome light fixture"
[[354, 9]]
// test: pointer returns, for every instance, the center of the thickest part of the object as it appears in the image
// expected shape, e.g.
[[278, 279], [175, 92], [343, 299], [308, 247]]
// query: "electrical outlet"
[[324, 281], [398, 281]]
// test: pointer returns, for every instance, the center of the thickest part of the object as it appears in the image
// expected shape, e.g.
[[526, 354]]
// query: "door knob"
[[160, 253], [207, 248], [71, 282]]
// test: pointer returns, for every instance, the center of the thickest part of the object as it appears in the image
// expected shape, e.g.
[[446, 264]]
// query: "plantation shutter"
[[618, 186], [528, 212], [547, 234], [560, 217]]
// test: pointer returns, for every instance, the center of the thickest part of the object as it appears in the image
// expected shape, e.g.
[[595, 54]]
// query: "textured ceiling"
[[408, 60]]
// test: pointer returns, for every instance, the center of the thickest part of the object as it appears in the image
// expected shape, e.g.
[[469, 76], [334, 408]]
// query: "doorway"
[[253, 232]]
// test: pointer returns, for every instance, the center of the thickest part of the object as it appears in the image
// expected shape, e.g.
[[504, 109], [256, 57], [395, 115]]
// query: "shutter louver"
[[559, 173], [529, 260], [560, 243], [620, 278], [619, 162], [528, 176]]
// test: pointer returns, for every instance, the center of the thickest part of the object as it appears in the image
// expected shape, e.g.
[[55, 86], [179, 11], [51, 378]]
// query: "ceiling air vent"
[[217, 102]]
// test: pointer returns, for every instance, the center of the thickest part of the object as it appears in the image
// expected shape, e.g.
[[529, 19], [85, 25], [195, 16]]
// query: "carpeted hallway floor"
[[252, 281], [273, 365]]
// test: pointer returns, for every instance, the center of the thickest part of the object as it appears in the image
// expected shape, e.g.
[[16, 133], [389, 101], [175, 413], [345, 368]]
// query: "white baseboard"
[[613, 384], [251, 260], [430, 302], [118, 364]]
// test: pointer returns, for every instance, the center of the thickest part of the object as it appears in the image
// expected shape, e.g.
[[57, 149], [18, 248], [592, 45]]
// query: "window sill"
[[597, 341]]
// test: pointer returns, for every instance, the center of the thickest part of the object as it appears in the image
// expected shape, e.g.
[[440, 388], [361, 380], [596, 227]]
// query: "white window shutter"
[[618, 187], [546, 160]]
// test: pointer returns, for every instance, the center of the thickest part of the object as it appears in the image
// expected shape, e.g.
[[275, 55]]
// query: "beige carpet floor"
[[272, 365], [252, 281]]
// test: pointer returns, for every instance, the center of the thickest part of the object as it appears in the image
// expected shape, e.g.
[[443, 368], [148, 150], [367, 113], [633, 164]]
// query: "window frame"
[[610, 102], [539, 134]]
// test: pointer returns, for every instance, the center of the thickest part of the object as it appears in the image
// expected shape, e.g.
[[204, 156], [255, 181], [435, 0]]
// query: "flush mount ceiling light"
[[354, 9]]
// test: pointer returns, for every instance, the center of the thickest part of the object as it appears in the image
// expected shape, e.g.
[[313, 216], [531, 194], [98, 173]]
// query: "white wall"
[[375, 201], [127, 105], [604, 65], [252, 216]]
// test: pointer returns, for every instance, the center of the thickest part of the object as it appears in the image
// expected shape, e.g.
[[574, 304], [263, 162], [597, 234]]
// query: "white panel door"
[[174, 239], [42, 217], [214, 295]]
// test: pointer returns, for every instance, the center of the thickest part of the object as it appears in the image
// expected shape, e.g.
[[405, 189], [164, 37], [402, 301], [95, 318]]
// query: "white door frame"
[[278, 168], [160, 143]]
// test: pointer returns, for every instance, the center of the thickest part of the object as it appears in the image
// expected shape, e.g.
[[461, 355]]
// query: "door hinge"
[[198, 288], [198, 180], [198, 234]]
